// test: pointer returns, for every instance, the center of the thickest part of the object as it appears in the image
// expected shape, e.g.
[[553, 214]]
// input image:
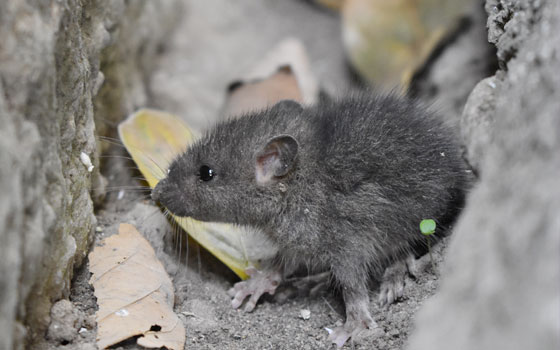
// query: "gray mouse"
[[341, 186]]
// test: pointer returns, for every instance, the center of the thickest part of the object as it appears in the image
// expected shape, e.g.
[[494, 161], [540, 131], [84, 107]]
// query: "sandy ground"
[[204, 56], [204, 307]]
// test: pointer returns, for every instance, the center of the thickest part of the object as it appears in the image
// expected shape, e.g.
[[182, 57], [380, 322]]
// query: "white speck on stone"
[[304, 314], [86, 161], [282, 187], [120, 195], [442, 154], [306, 211], [98, 229], [491, 84], [328, 330], [122, 313], [82, 330]]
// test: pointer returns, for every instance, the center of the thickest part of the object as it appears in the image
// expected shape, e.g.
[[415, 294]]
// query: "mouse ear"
[[287, 107], [276, 158]]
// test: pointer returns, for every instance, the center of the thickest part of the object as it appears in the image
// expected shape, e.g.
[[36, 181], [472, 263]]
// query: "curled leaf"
[[284, 73]]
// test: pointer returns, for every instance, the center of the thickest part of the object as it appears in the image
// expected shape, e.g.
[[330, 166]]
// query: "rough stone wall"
[[52, 56], [501, 287]]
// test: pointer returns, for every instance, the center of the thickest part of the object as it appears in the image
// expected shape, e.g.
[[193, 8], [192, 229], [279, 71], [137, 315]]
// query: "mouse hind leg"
[[353, 284], [392, 283]]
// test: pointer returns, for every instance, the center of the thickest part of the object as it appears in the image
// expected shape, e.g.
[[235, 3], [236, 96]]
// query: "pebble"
[[304, 314]]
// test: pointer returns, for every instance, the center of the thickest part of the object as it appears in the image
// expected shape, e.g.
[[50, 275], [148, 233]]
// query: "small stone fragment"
[[65, 322], [304, 314]]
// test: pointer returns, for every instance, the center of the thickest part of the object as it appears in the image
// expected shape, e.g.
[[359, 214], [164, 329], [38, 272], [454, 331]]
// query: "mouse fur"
[[339, 186]]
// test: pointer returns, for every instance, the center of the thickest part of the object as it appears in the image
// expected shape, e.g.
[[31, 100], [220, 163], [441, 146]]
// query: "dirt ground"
[[204, 56], [204, 306]]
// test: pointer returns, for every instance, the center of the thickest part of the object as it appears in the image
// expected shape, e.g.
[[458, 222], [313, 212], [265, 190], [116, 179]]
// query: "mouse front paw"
[[259, 282]]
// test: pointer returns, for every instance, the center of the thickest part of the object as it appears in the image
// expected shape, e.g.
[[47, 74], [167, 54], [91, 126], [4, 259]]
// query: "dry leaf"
[[256, 95], [154, 139], [284, 73], [134, 293], [388, 41]]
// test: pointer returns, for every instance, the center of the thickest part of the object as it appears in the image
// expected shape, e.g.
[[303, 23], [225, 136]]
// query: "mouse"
[[340, 186]]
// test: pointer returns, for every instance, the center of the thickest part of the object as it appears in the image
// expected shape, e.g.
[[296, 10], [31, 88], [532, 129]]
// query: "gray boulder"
[[54, 58], [501, 286]]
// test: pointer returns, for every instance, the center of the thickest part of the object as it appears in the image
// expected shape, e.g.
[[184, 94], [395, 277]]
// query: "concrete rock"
[[452, 72], [66, 320], [50, 56], [136, 33], [501, 286], [477, 121]]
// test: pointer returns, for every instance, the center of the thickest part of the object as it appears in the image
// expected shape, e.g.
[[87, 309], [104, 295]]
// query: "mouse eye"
[[206, 173]]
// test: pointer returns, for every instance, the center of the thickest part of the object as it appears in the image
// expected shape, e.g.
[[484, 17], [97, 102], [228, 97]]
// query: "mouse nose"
[[156, 192]]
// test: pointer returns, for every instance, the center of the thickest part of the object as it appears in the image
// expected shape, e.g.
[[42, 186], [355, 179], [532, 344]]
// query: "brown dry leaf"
[[255, 95], [134, 293], [283, 74]]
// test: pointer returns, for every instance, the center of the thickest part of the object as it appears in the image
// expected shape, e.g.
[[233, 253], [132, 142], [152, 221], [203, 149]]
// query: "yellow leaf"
[[389, 41], [134, 293], [154, 139]]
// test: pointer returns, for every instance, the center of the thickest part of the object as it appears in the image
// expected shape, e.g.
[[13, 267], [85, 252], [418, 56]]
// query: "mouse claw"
[[390, 292], [251, 303], [235, 303], [238, 300]]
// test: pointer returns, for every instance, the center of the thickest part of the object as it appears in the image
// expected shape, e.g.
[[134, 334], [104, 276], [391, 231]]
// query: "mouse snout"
[[166, 194], [156, 192]]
